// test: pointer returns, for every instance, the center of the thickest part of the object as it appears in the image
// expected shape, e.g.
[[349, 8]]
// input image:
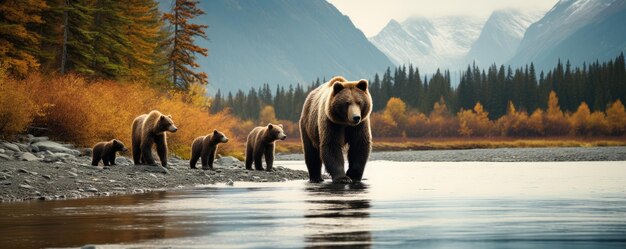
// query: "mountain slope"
[[501, 36], [575, 30], [282, 42], [429, 43]]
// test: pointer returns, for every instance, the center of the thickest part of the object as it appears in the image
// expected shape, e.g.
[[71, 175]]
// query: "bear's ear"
[[281, 125], [337, 87], [214, 131], [270, 126], [162, 117], [169, 116], [115, 142], [362, 85]]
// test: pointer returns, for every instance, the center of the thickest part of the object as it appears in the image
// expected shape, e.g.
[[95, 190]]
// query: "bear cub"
[[205, 147], [105, 151], [261, 143], [147, 130]]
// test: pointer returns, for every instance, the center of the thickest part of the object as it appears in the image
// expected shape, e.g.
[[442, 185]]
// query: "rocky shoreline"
[[36, 168]]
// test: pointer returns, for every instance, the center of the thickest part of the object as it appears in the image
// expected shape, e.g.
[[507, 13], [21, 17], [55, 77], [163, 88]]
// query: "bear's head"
[[276, 132], [219, 137], [165, 123], [119, 146], [349, 103]]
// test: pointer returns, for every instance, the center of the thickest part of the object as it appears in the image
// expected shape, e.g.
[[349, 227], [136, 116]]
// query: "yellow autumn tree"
[[474, 122], [18, 41], [267, 115], [616, 118], [440, 122], [555, 123]]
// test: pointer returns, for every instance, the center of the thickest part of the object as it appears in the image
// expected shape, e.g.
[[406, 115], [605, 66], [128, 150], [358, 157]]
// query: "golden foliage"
[[616, 118], [85, 112], [17, 109], [267, 115], [474, 122]]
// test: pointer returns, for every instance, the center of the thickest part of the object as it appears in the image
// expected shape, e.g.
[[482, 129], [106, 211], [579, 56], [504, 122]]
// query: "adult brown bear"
[[334, 115], [149, 129]]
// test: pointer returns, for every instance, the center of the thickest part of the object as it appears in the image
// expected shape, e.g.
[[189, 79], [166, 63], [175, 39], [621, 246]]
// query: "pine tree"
[[145, 32], [19, 43], [183, 52]]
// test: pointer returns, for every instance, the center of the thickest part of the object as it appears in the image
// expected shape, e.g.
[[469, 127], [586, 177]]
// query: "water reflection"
[[76, 222], [338, 214]]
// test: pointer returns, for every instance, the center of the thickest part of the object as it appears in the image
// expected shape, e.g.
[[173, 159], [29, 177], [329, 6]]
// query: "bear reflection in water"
[[339, 214]]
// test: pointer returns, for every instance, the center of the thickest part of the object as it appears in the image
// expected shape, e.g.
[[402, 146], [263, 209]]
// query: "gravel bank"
[[496, 155], [22, 180]]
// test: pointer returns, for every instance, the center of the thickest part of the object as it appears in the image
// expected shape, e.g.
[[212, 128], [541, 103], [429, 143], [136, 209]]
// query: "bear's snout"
[[173, 128], [125, 149], [356, 119], [283, 137], [225, 140]]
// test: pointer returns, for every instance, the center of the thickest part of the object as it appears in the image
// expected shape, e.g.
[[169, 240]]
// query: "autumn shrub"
[[474, 122], [84, 112], [440, 122], [417, 125], [17, 109]]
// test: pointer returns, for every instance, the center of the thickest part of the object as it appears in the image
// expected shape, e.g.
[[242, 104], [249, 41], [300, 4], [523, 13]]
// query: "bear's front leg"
[[112, 159], [161, 146], [359, 139], [332, 156]]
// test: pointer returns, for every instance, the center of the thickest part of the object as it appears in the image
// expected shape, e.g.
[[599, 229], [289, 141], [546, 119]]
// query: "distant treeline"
[[597, 84]]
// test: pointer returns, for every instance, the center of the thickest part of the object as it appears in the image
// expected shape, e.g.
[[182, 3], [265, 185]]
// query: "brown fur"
[[205, 147], [334, 115], [105, 151], [149, 129], [261, 143]]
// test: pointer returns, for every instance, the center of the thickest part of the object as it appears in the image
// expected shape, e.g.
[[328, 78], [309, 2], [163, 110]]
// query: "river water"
[[400, 204]]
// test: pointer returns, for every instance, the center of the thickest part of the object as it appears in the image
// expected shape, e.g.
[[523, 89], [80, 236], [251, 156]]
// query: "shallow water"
[[400, 204]]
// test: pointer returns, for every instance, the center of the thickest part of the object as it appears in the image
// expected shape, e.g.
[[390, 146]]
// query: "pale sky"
[[372, 15]]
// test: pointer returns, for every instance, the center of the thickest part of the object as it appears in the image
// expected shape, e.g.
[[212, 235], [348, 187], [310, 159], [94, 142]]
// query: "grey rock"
[[26, 186], [88, 151], [48, 177], [72, 174], [56, 147], [10, 146], [33, 148], [59, 157], [93, 190], [1, 150], [4, 157], [123, 161], [27, 156], [38, 139], [230, 182], [23, 171], [23, 147], [227, 160]]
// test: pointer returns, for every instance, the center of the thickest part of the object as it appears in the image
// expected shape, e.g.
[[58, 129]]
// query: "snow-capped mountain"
[[500, 36], [429, 43], [575, 30]]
